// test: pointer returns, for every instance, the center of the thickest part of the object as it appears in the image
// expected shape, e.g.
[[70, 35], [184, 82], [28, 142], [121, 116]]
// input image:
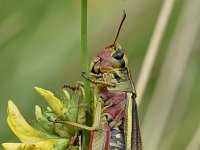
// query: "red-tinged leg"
[[107, 145], [91, 140], [100, 139]]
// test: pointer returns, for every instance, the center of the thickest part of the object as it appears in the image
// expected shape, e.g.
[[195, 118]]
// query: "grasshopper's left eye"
[[118, 54]]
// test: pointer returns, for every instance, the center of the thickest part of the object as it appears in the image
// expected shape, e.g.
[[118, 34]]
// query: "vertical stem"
[[84, 36], [85, 68], [84, 49]]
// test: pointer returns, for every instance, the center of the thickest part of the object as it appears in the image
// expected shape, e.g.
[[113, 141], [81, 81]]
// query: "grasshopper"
[[116, 123]]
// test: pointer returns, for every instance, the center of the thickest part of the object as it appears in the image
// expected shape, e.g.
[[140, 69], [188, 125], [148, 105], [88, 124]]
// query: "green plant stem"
[[84, 36], [84, 49], [85, 67]]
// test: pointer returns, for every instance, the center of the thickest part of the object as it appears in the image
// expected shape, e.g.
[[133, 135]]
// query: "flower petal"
[[41, 145], [20, 127], [57, 106]]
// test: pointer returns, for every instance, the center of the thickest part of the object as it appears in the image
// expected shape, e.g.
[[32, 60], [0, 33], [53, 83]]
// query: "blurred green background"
[[40, 46]]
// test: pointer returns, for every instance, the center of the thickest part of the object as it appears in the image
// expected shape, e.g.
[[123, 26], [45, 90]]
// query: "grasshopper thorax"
[[110, 58]]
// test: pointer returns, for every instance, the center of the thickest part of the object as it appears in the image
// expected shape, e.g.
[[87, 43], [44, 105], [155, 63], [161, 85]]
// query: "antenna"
[[120, 26]]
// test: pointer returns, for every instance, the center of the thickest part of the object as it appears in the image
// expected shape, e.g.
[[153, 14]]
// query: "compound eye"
[[95, 70], [118, 54]]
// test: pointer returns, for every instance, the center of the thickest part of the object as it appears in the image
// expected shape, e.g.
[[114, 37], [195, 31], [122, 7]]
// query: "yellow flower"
[[20, 127], [32, 138], [56, 105], [54, 136], [41, 145]]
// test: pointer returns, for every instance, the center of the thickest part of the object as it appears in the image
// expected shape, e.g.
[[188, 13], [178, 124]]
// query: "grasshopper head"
[[109, 58]]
